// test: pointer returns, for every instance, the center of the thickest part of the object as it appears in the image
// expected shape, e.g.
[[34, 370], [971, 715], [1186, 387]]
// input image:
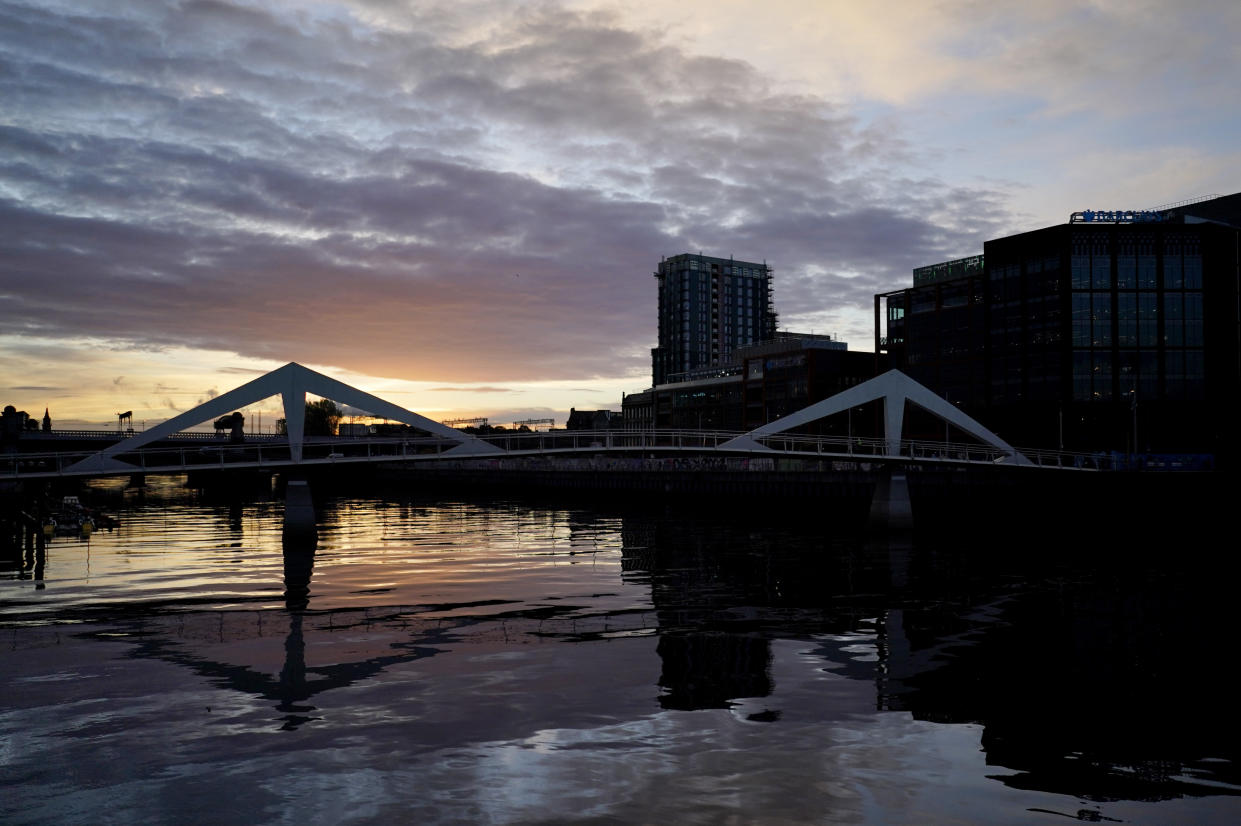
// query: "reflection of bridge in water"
[[937, 632]]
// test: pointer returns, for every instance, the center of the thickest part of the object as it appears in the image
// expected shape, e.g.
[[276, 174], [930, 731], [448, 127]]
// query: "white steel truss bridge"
[[165, 448]]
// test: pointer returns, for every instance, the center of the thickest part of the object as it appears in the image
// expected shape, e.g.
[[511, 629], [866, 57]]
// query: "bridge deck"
[[274, 454]]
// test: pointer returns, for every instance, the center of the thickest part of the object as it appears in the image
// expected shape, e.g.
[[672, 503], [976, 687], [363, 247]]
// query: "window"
[[1192, 250], [1174, 319], [1145, 245], [1148, 319], [1127, 319], [1193, 319], [1081, 319], [1101, 376], [1100, 264], [1126, 264], [1101, 319]]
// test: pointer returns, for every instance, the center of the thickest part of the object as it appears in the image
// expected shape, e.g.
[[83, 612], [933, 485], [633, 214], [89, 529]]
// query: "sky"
[[458, 206]]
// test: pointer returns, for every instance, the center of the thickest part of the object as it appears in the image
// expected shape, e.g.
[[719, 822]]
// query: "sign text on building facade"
[[1119, 216]]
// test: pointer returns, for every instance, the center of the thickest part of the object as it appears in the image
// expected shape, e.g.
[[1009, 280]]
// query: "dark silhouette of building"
[[765, 382], [1115, 331], [590, 419], [12, 423], [708, 307]]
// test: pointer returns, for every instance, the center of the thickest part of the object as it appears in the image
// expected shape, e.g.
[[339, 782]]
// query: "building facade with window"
[[765, 382], [1115, 331], [708, 307]]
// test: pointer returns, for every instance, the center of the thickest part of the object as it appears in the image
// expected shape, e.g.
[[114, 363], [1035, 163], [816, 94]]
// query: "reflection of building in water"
[[708, 669], [721, 590], [1078, 680], [1088, 676]]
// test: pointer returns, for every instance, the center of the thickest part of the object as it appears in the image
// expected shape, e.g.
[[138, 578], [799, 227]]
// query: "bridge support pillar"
[[890, 508], [299, 511]]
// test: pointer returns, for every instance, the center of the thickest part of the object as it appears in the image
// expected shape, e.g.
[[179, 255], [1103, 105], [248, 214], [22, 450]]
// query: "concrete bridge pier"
[[890, 507], [299, 512], [299, 540]]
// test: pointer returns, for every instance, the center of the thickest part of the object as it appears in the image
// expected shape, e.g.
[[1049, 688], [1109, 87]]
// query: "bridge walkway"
[[566, 447]]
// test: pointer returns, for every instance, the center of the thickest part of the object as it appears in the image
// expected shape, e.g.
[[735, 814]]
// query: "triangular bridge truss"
[[291, 382], [895, 388]]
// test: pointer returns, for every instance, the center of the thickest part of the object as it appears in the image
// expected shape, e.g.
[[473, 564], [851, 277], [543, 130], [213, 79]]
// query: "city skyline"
[[458, 206]]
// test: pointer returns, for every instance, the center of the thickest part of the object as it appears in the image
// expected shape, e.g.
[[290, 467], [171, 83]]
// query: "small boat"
[[75, 518]]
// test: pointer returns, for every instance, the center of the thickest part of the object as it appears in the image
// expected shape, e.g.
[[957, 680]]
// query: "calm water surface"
[[440, 661]]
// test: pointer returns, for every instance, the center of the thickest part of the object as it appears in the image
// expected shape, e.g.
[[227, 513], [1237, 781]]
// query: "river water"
[[441, 660]]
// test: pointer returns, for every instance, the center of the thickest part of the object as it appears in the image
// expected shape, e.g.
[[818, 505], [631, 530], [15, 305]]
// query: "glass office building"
[[1115, 331]]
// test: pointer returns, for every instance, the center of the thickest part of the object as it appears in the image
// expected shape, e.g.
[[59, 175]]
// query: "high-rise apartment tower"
[[707, 308]]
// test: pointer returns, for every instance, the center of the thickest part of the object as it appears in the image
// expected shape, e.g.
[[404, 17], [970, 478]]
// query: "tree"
[[322, 417]]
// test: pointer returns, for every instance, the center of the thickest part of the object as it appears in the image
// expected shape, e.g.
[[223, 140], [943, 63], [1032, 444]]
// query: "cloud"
[[472, 390], [242, 371], [359, 189]]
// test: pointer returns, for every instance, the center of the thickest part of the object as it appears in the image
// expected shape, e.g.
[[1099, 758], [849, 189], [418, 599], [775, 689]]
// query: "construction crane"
[[480, 421], [121, 418], [533, 424]]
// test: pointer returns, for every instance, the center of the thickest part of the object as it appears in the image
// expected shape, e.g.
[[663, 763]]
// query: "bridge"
[[171, 448]]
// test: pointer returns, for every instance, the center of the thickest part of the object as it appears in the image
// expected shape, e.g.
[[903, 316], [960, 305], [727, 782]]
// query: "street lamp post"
[[1062, 425]]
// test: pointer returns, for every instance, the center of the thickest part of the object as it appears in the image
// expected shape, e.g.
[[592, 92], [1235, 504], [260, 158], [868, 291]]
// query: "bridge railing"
[[939, 451], [182, 458], [258, 453], [578, 440]]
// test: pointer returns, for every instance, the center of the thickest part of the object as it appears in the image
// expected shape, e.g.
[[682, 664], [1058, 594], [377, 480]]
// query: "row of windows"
[[1097, 376], [703, 280], [1136, 262], [735, 269], [1137, 317]]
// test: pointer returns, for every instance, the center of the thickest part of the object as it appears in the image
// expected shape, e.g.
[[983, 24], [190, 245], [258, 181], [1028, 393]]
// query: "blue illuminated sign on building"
[[1121, 216]]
